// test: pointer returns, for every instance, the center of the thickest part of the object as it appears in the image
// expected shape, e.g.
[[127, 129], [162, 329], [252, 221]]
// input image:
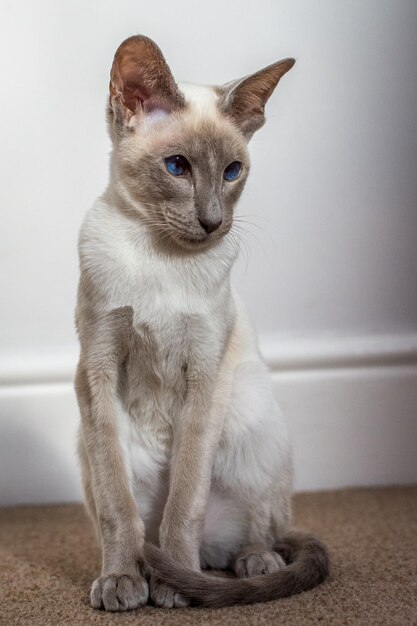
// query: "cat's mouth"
[[194, 241], [174, 233], [201, 240]]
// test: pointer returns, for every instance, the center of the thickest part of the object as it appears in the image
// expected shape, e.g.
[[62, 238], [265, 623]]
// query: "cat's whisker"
[[241, 220], [257, 216], [248, 231], [241, 245]]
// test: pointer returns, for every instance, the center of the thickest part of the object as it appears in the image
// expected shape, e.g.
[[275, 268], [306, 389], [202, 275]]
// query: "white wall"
[[332, 252]]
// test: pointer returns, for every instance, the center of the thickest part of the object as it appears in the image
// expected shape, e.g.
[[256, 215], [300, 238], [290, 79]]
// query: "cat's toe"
[[119, 593], [164, 596], [258, 564]]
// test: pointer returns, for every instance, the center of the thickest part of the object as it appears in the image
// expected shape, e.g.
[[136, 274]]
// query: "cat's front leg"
[[196, 437], [122, 585]]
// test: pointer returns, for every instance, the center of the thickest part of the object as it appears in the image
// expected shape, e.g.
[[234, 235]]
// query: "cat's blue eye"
[[232, 171], [177, 165]]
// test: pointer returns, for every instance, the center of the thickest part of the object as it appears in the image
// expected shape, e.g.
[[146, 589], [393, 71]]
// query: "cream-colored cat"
[[181, 442]]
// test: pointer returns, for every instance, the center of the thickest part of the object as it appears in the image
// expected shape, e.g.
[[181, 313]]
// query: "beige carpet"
[[48, 559]]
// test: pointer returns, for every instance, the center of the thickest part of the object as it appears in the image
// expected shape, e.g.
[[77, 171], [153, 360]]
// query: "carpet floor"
[[48, 559]]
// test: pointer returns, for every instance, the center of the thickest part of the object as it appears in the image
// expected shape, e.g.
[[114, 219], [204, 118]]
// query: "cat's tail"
[[307, 566]]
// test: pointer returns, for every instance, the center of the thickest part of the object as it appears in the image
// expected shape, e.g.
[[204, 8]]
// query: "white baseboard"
[[351, 405]]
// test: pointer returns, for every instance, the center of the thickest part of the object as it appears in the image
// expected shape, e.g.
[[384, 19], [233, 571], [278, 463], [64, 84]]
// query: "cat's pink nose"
[[210, 225]]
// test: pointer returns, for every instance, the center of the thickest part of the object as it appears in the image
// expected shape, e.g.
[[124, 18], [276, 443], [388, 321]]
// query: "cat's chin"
[[194, 244], [180, 243]]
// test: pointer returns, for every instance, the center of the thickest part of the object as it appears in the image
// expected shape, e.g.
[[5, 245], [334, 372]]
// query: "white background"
[[331, 253]]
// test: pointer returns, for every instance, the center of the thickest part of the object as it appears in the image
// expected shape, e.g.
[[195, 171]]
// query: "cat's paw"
[[164, 596], [258, 564], [119, 593]]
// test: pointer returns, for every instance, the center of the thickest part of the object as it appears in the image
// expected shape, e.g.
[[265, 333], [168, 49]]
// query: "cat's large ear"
[[244, 99], [141, 81]]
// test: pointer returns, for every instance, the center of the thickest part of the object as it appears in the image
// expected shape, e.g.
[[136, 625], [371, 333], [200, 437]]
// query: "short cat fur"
[[185, 457]]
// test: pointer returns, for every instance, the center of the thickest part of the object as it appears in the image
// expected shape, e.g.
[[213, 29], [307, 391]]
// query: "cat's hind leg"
[[257, 560], [254, 462]]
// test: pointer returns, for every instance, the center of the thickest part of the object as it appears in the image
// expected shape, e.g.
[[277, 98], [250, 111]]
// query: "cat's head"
[[180, 157]]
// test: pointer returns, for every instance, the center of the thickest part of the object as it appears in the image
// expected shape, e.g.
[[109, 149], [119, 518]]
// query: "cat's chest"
[[167, 292], [172, 317], [162, 295], [177, 304]]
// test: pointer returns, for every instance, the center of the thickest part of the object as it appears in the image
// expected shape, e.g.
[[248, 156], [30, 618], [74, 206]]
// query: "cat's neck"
[[117, 249]]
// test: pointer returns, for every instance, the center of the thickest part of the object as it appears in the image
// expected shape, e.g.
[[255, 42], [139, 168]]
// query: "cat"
[[185, 457]]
